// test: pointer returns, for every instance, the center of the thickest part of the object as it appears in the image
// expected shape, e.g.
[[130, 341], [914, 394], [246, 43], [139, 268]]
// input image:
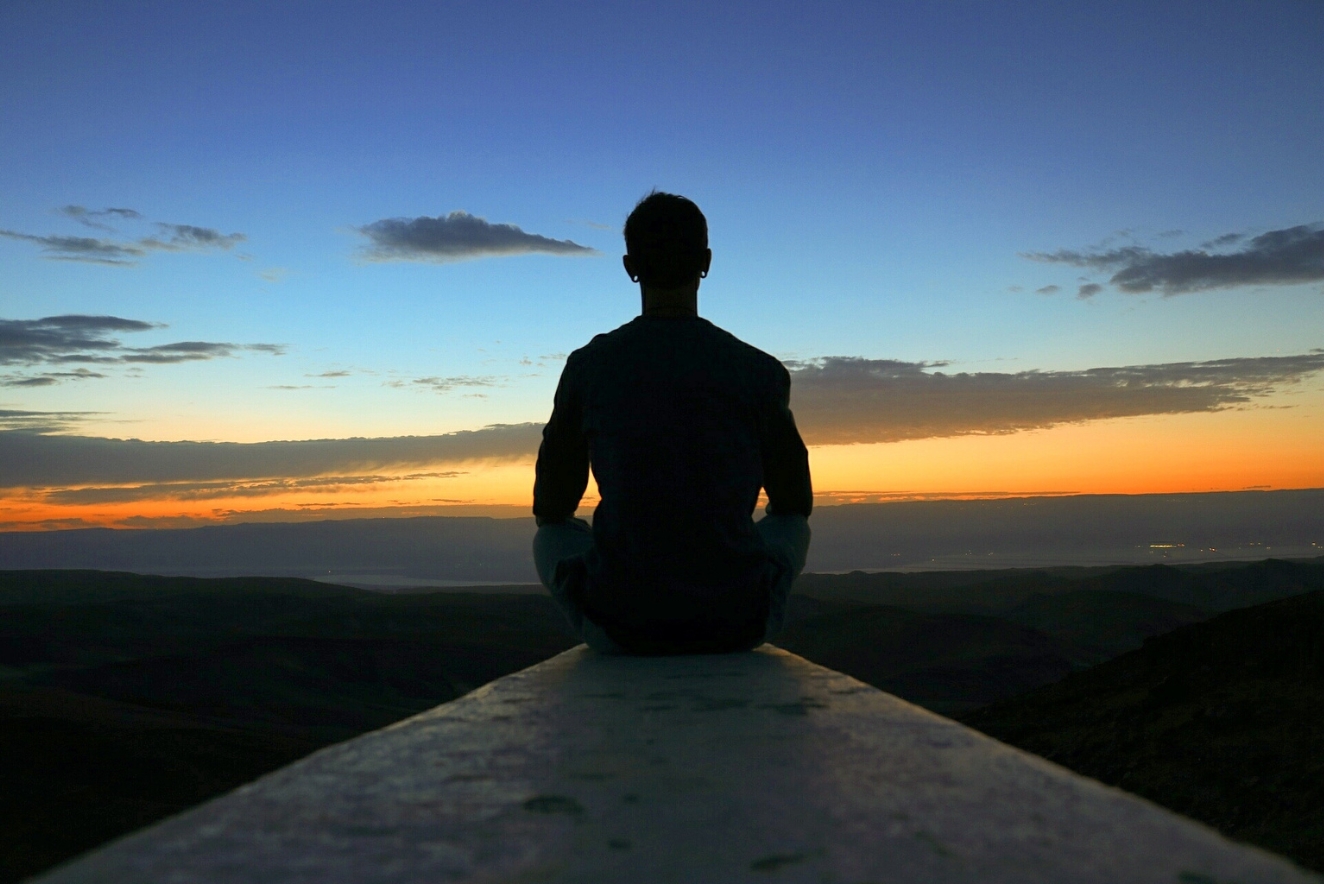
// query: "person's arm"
[[562, 470], [785, 459]]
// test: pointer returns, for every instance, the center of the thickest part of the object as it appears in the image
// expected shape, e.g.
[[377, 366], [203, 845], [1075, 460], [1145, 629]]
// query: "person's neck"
[[671, 303]]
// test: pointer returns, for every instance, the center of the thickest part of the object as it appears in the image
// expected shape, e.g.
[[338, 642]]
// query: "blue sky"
[[874, 175]]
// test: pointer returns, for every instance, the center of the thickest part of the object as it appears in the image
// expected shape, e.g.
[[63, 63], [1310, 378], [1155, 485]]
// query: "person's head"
[[666, 242]]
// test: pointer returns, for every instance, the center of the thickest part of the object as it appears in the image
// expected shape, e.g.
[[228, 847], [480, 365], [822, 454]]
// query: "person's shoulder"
[[763, 363], [599, 345], [599, 351]]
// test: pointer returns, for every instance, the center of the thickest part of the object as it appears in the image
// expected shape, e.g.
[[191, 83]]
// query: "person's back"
[[682, 424]]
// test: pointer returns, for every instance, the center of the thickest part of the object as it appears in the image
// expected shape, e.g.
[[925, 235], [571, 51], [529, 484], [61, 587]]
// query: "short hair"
[[666, 236]]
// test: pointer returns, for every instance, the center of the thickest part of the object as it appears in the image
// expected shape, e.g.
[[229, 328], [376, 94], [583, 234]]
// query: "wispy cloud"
[[87, 249], [194, 351], [31, 459], [77, 338], [38, 422], [187, 237], [92, 217], [842, 400], [594, 224], [458, 236], [226, 489], [118, 250], [1289, 256], [444, 385], [49, 378]]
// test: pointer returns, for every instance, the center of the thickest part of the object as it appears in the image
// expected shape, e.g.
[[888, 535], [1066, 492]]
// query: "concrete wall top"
[[743, 767]]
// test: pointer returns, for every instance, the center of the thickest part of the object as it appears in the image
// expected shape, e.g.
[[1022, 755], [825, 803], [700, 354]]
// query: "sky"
[[307, 260]]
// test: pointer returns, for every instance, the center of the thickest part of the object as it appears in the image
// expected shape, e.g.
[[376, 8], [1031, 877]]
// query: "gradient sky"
[[1005, 248]]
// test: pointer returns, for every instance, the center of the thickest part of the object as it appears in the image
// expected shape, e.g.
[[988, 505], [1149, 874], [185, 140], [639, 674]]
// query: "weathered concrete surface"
[[749, 767]]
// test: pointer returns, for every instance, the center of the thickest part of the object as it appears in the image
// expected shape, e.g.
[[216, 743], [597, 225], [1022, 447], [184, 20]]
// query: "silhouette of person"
[[682, 424]]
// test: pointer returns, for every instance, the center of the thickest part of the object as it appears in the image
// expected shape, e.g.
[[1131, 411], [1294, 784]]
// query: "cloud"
[[31, 459], [184, 351], [458, 236], [1048, 290], [1289, 256], [844, 400], [48, 379], [62, 338], [40, 421], [192, 351], [187, 237], [87, 217], [123, 252], [444, 385], [223, 489], [81, 248], [330, 374], [76, 338], [1088, 290]]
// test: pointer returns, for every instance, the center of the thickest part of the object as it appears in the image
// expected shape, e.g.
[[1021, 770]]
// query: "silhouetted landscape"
[[126, 698]]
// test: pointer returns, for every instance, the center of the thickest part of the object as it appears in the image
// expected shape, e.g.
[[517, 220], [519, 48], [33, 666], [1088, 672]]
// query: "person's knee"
[[557, 541], [790, 535], [545, 555]]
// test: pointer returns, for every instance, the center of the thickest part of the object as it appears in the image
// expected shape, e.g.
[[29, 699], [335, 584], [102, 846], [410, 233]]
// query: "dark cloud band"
[[837, 401], [31, 460], [842, 400], [222, 490], [458, 236], [1289, 256]]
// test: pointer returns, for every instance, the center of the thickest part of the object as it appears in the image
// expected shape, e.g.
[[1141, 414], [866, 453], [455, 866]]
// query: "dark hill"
[[945, 662], [1100, 624], [1217, 589], [1219, 720]]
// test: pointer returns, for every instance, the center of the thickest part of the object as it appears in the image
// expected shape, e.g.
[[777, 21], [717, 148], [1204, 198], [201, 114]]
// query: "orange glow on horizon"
[[1224, 451], [1234, 450]]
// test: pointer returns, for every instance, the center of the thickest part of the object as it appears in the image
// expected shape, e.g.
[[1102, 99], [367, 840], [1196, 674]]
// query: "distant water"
[[392, 583]]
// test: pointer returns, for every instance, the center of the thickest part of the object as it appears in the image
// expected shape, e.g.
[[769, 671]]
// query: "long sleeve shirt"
[[682, 424]]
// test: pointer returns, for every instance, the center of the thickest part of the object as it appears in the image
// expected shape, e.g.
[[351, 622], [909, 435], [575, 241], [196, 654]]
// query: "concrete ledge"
[[746, 767]]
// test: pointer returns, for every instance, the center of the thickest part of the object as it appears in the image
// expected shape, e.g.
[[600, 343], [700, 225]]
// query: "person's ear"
[[629, 268], [707, 262]]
